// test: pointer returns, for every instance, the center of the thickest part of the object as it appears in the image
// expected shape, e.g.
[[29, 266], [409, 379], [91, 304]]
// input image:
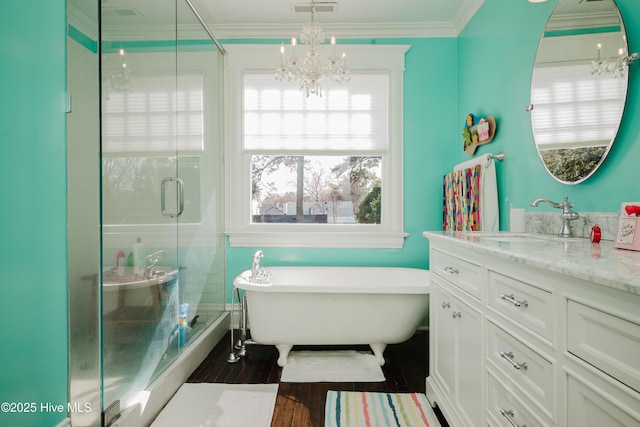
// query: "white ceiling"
[[276, 18], [353, 18]]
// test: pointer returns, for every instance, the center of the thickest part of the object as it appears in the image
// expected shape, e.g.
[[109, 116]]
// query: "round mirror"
[[579, 87]]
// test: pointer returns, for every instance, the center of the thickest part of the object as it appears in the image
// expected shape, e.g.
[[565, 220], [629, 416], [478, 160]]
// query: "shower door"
[[161, 192]]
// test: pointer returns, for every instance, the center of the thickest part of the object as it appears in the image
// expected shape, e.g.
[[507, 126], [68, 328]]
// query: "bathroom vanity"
[[535, 330]]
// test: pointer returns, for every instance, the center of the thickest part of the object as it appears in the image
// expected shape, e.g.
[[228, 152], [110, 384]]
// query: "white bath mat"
[[331, 366], [219, 405]]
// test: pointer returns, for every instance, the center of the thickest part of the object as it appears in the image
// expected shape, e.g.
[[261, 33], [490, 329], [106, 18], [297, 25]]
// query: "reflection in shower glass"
[[164, 126]]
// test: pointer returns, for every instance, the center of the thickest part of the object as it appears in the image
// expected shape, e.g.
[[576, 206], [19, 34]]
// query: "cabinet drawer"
[[527, 369], [523, 303], [593, 404], [506, 410], [608, 342], [461, 273]]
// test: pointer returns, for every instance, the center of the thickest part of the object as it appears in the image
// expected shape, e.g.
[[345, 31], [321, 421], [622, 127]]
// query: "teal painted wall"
[[487, 71], [430, 135], [33, 291], [495, 57]]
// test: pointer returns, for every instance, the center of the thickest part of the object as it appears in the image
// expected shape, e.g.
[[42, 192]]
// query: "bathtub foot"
[[378, 349], [284, 350]]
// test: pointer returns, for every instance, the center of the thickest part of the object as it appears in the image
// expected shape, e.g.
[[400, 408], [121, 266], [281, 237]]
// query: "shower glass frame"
[[127, 329]]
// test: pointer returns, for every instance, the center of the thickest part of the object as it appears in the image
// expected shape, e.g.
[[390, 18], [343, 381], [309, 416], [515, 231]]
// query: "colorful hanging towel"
[[462, 200]]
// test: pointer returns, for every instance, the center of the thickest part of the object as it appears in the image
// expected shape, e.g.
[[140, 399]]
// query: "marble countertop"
[[577, 257]]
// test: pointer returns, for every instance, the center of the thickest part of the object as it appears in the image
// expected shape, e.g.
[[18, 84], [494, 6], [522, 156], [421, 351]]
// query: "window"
[[165, 125], [316, 189], [155, 115], [573, 108], [142, 129], [315, 171]]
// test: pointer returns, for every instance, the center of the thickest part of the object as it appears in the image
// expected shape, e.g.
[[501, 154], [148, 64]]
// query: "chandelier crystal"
[[118, 80], [615, 66], [311, 68]]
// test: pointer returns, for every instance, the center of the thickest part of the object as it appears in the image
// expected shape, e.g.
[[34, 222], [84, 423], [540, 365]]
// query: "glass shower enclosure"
[[162, 218], [145, 167]]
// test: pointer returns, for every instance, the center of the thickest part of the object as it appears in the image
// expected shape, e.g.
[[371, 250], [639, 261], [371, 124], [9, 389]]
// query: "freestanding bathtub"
[[335, 306]]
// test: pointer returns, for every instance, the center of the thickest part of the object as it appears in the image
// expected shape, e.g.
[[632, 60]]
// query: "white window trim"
[[389, 234]]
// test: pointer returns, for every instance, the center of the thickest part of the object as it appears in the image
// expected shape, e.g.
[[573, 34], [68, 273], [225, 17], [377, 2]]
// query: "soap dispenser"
[[139, 257], [120, 263]]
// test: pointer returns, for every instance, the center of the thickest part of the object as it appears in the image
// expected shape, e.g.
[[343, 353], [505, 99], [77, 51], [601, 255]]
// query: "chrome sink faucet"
[[566, 215]]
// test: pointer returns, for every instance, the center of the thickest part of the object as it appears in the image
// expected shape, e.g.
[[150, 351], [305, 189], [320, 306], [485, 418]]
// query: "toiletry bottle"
[[182, 324], [139, 257], [120, 262]]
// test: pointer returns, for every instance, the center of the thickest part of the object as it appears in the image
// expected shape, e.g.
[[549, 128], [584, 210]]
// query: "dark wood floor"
[[302, 404]]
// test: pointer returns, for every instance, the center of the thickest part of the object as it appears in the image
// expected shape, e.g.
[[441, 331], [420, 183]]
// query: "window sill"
[[335, 239]]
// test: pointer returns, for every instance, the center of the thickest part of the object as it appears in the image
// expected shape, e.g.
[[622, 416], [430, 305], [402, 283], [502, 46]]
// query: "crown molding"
[[573, 21], [465, 14], [281, 32], [87, 26], [341, 31], [286, 31]]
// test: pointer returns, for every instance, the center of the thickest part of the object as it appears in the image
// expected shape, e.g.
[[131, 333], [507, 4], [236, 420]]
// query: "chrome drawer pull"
[[509, 416], [446, 305], [509, 358], [456, 314], [451, 270], [512, 300]]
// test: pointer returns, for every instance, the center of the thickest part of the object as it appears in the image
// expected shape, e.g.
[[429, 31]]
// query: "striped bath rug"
[[363, 409]]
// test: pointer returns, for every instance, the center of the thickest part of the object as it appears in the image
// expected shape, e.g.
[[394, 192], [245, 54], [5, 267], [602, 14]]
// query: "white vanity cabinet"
[[532, 334], [456, 327], [603, 357]]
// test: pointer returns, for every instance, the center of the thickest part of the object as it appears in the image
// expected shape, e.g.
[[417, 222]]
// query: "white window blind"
[[155, 115], [349, 118], [573, 108]]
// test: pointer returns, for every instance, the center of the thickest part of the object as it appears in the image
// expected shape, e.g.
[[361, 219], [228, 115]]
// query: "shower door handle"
[[179, 196]]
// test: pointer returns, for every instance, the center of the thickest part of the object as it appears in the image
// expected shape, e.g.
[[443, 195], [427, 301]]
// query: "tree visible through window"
[[316, 189]]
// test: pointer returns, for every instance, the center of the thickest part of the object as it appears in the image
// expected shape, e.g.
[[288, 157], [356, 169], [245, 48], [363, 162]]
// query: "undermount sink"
[[521, 237]]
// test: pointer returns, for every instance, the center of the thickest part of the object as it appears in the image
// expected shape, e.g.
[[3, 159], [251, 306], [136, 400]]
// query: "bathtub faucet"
[[255, 266], [566, 215], [151, 261]]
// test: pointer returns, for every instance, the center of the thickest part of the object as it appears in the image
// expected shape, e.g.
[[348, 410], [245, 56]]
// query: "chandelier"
[[615, 66], [119, 79], [311, 68]]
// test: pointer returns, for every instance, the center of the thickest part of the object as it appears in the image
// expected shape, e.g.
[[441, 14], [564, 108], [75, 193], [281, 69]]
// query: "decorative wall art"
[[477, 131]]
